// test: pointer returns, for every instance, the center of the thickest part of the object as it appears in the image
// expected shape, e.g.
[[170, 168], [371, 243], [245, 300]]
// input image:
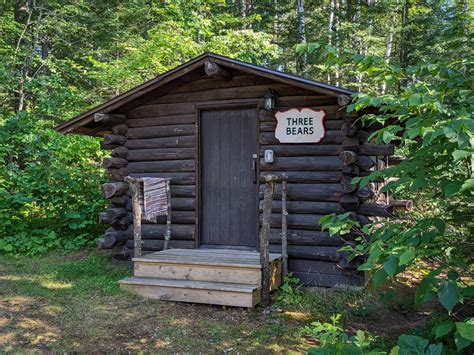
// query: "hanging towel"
[[153, 199]]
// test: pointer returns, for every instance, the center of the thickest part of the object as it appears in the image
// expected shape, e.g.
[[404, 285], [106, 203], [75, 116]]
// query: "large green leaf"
[[466, 330], [412, 344], [390, 265], [448, 295]]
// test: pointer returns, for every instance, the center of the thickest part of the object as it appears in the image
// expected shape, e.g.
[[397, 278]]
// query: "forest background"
[[411, 58]]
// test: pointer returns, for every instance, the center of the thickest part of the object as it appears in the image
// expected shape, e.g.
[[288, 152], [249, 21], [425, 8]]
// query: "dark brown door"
[[228, 186]]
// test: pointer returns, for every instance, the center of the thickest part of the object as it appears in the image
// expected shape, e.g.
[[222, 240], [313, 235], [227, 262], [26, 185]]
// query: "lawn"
[[71, 302]]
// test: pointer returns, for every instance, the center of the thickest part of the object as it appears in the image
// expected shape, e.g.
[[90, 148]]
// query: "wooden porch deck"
[[211, 276]]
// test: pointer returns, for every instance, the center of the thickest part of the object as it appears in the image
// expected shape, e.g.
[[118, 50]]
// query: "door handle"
[[254, 167]]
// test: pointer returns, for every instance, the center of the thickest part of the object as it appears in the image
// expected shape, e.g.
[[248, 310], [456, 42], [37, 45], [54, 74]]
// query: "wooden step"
[[218, 293], [229, 266]]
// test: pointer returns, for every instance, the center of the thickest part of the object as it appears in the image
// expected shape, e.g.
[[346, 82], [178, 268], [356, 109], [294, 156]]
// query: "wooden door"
[[228, 177]]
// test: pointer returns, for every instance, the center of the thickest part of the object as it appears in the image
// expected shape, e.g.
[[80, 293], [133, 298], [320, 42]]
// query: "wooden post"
[[265, 237], [168, 216], [137, 214], [284, 227]]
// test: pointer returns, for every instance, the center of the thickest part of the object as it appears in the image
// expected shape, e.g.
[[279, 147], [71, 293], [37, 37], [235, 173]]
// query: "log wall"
[[159, 139]]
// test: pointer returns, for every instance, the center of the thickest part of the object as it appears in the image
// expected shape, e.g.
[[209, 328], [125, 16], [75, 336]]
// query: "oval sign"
[[300, 125]]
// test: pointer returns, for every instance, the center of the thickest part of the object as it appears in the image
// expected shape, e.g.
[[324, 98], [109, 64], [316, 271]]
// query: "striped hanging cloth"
[[153, 199]]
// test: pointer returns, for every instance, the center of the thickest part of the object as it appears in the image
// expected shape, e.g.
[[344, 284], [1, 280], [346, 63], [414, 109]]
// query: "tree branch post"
[[137, 214]]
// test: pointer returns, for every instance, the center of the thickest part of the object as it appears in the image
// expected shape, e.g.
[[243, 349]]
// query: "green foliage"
[[290, 292], [338, 224], [333, 340], [48, 199]]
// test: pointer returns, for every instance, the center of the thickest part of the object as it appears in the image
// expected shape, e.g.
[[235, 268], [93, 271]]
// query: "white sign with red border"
[[303, 125]]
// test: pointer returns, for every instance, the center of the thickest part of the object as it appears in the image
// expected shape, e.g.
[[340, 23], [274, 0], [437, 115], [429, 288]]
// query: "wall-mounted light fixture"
[[270, 100]]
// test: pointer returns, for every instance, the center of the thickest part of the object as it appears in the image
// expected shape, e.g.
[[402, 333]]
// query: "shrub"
[[49, 187]]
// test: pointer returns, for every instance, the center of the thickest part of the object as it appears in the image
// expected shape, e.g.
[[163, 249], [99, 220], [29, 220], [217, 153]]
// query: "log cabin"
[[217, 128]]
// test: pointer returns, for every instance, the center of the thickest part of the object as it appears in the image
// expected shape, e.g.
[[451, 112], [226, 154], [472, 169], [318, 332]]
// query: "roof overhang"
[[192, 70]]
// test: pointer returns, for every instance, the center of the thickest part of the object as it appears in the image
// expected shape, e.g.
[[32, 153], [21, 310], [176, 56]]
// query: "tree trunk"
[[300, 14]]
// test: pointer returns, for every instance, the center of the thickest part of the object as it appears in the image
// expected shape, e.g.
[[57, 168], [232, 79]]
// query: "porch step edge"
[[189, 284]]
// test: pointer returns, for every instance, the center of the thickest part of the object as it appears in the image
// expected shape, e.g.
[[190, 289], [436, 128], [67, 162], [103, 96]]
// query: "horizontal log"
[[306, 207], [237, 92], [114, 237], [313, 102], [121, 252], [333, 112], [157, 231], [168, 142], [120, 129], [365, 163], [162, 166], [331, 137], [112, 189], [312, 163], [114, 163], [122, 223], [328, 125], [376, 209], [162, 131], [349, 202], [347, 157], [362, 136], [161, 109], [323, 253], [308, 192], [117, 175], [311, 176], [348, 129], [162, 121], [120, 152], [297, 221], [183, 204], [103, 219], [206, 84], [115, 213], [366, 193], [112, 141], [120, 201], [395, 160], [347, 185], [183, 191], [305, 237], [179, 217], [176, 178], [315, 266], [109, 119], [157, 245], [161, 154], [401, 205], [319, 279], [351, 170], [376, 149], [363, 220], [350, 143], [296, 150]]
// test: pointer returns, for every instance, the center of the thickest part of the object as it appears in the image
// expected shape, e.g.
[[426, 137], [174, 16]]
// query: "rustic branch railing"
[[134, 184], [264, 236]]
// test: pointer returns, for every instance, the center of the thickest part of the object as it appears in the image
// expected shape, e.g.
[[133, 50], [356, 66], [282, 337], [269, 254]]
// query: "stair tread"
[[189, 284], [214, 257]]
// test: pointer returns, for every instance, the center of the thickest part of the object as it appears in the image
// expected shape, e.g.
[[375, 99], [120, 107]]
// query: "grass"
[[72, 302]]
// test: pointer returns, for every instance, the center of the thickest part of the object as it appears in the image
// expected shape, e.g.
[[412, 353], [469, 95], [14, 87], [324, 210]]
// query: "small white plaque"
[[300, 126]]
